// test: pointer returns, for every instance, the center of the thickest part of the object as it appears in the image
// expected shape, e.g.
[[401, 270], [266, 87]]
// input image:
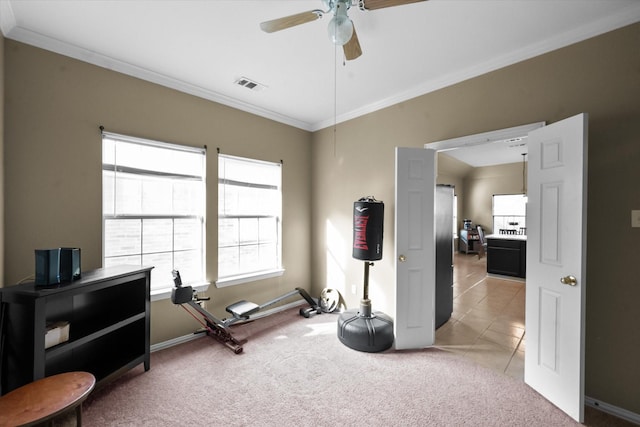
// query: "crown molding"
[[7, 18], [10, 29]]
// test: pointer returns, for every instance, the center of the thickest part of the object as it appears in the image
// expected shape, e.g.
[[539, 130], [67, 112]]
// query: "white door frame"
[[484, 138], [497, 136], [492, 137], [416, 178]]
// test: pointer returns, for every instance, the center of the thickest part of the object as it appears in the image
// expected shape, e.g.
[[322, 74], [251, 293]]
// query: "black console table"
[[507, 255], [107, 311]]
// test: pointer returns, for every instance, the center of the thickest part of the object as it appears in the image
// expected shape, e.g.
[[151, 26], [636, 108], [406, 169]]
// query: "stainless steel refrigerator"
[[444, 253]]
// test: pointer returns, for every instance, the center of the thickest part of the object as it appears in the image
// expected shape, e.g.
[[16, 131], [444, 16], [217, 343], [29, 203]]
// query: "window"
[[455, 216], [509, 212], [154, 208], [249, 220]]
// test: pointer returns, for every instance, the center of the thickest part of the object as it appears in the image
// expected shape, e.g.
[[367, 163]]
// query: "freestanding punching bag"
[[368, 225], [362, 329]]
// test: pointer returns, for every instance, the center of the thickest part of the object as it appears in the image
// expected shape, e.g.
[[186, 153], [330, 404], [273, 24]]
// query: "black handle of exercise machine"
[[314, 307], [177, 280], [307, 297]]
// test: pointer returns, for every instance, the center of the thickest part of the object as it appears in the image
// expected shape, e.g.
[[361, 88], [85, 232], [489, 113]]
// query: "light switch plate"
[[635, 218]]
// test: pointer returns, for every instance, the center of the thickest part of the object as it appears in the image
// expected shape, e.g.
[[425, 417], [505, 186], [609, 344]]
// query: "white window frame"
[[257, 274], [455, 216], [163, 291]]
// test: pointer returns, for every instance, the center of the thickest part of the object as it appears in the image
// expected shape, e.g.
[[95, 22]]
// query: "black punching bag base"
[[369, 332]]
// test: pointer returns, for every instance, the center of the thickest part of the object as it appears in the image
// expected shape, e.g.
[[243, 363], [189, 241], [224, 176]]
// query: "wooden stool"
[[46, 398]]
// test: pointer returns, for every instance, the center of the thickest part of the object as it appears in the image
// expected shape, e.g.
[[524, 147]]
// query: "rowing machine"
[[240, 311]]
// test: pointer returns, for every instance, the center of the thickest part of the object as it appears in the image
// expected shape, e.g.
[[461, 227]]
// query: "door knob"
[[569, 280], [402, 258]]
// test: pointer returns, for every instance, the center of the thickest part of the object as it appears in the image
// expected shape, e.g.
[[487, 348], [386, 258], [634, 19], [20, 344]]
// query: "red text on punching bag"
[[360, 237]]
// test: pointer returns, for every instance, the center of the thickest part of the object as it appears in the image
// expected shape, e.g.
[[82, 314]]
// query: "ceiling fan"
[[341, 29]]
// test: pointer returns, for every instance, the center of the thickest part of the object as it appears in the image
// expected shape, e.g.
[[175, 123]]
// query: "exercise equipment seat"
[[243, 309]]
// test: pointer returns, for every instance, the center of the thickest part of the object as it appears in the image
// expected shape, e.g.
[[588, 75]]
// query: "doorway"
[[556, 268], [487, 323]]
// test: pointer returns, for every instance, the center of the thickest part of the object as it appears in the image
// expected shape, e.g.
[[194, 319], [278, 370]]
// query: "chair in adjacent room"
[[482, 249]]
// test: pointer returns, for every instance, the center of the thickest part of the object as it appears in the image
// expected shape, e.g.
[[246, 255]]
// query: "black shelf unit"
[[108, 314]]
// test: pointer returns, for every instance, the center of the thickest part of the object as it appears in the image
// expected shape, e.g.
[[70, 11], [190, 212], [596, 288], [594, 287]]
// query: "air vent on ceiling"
[[522, 144], [250, 84], [516, 142]]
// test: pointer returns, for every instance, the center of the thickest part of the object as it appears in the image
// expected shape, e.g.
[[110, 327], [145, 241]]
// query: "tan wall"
[[452, 172], [476, 186], [482, 183], [52, 167], [600, 76]]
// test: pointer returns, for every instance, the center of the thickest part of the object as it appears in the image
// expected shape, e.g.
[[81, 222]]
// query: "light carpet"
[[295, 371]]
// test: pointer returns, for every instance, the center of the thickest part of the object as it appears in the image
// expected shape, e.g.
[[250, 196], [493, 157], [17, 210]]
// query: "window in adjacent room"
[[509, 212], [249, 220], [455, 216], [154, 208]]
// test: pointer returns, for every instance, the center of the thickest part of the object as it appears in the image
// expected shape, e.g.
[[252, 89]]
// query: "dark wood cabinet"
[[507, 255], [107, 311]]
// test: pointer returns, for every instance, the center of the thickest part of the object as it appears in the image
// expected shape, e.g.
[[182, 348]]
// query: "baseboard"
[[505, 277], [613, 410], [186, 338]]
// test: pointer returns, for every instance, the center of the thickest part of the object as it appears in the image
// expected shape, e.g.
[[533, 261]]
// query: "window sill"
[[165, 293], [246, 278]]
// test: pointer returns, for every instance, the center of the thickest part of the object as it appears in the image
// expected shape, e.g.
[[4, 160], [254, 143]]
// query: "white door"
[[556, 256], [415, 248]]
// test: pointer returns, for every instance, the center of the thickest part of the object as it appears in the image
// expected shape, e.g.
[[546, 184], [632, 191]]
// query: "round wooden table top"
[[45, 398]]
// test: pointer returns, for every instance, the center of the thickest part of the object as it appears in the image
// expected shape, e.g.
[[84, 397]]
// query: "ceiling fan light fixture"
[[328, 4], [340, 29]]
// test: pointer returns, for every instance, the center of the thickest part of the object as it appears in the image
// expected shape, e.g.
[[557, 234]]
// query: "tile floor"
[[487, 324]]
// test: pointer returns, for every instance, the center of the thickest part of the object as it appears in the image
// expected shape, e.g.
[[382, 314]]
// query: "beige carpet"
[[294, 371]]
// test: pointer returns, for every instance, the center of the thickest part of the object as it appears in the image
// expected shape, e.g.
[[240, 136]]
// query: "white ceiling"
[[494, 154], [203, 46], [495, 147]]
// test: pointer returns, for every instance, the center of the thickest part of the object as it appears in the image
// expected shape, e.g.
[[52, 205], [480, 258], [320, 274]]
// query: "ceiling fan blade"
[[379, 4], [290, 21], [352, 48]]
